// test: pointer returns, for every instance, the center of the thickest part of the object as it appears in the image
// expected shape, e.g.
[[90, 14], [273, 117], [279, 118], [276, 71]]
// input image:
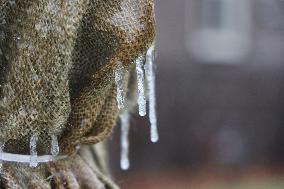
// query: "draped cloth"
[[57, 62]]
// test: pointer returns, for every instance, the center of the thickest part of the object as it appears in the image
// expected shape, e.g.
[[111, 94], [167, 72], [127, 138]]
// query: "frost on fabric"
[[150, 75], [124, 142], [140, 86]]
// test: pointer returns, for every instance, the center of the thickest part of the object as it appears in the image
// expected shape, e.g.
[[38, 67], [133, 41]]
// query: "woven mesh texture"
[[57, 62]]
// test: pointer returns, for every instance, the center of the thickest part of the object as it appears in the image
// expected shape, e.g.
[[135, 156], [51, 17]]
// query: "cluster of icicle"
[[141, 71], [33, 159]]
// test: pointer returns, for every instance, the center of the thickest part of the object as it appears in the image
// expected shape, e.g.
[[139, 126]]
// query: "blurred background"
[[220, 93]]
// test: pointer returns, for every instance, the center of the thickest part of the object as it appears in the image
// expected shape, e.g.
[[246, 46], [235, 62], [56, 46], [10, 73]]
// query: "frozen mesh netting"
[[57, 69]]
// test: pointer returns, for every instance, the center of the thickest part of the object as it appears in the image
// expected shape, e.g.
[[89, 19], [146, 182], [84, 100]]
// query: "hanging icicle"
[[2, 145], [54, 146], [150, 75], [119, 85], [124, 142], [124, 117], [33, 151], [140, 86]]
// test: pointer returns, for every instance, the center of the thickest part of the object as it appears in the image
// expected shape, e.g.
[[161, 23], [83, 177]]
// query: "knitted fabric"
[[57, 62]]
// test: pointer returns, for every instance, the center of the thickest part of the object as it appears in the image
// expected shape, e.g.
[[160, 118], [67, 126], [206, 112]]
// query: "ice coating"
[[119, 85], [150, 75], [2, 145], [124, 159], [20, 158], [54, 146], [33, 151], [140, 86]]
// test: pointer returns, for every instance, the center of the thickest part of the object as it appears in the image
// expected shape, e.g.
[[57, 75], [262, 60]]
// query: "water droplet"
[[33, 114], [22, 112], [35, 77], [85, 122], [12, 2]]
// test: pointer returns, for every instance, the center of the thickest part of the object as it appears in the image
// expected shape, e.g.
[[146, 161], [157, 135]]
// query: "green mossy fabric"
[[57, 62]]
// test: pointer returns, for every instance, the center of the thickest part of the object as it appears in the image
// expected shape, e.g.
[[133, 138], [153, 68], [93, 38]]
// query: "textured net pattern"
[[57, 62]]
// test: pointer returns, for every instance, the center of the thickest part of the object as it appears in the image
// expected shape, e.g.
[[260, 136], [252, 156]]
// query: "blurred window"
[[211, 13], [219, 31]]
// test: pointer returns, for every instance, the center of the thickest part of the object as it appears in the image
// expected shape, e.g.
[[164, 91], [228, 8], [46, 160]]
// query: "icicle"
[[2, 145], [33, 152], [54, 146], [140, 85], [124, 143], [119, 85], [151, 93]]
